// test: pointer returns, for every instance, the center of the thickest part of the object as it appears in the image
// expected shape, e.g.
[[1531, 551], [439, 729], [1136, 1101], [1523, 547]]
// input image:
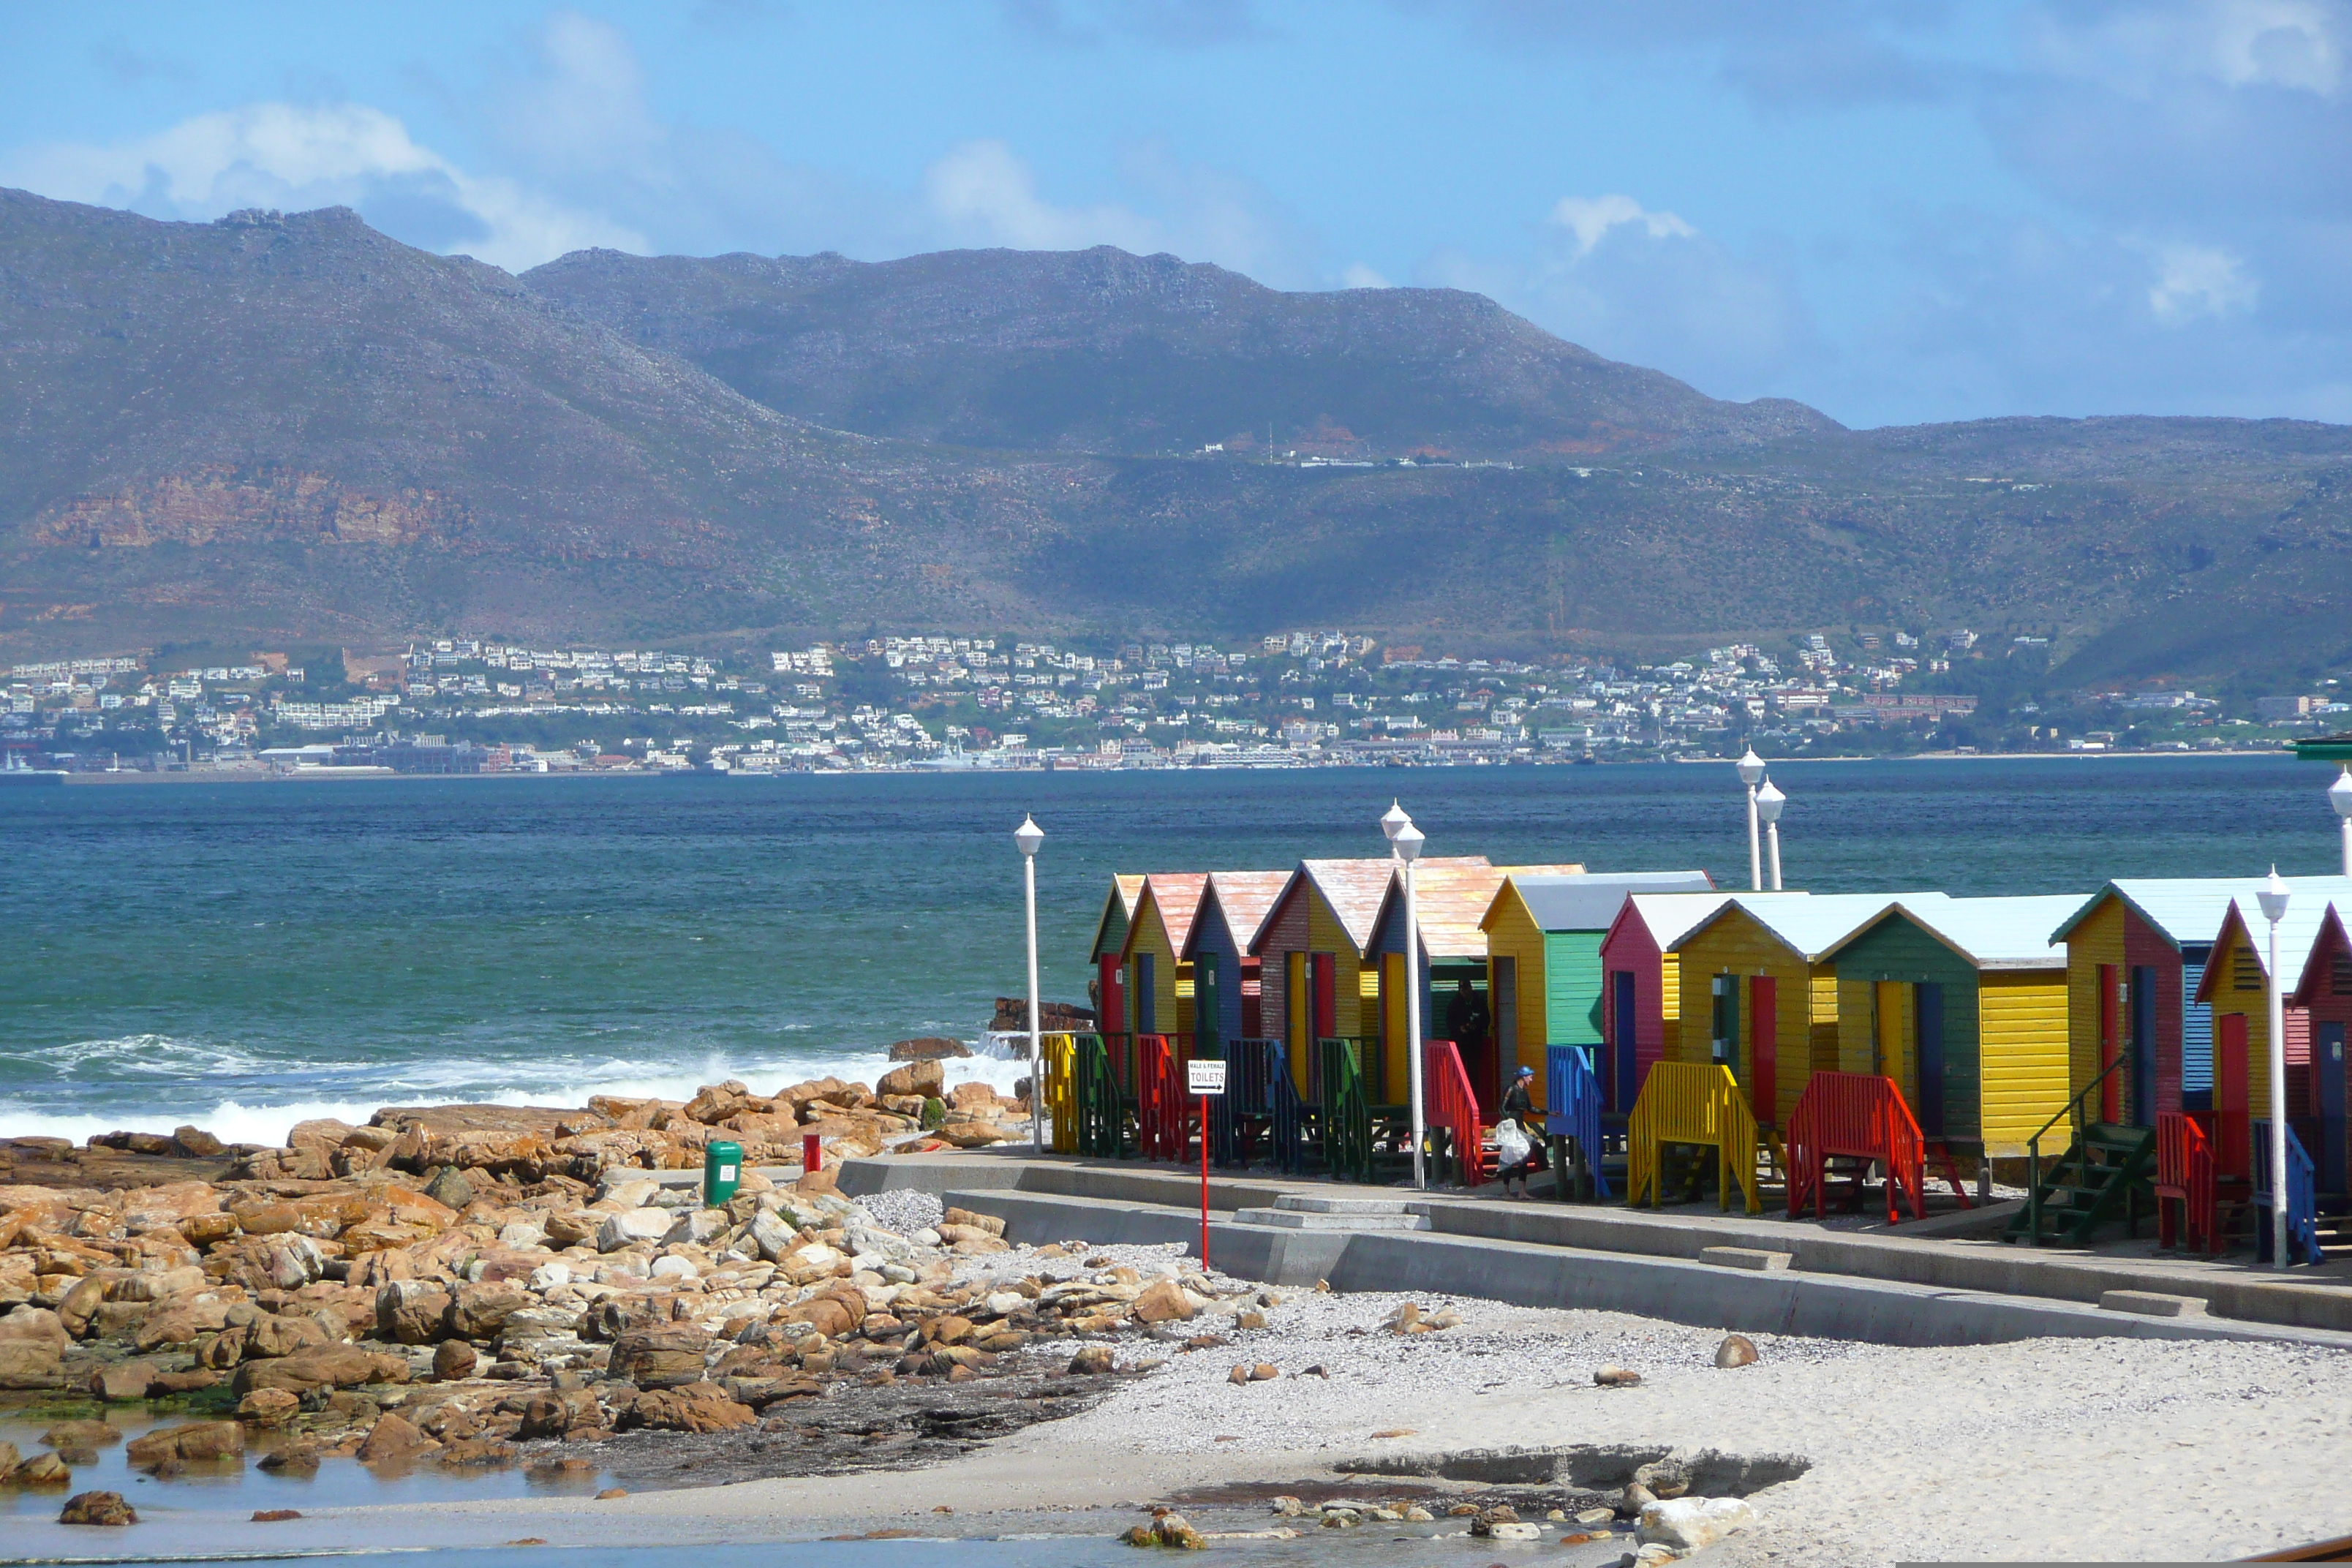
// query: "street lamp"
[[1393, 821], [1751, 773], [2272, 897], [1406, 842], [1026, 838], [2339, 796], [1767, 804]]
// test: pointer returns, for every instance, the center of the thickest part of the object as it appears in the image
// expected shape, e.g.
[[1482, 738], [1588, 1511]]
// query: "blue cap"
[[1527, 1072]]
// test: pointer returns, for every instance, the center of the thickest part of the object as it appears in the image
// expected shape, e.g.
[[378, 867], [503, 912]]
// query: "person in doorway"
[[1519, 1110]]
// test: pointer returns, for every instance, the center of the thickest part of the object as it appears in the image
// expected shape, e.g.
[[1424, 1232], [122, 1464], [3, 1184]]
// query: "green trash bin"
[[722, 1172]]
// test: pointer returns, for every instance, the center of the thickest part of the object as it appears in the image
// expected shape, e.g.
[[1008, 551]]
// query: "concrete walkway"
[[1918, 1283]]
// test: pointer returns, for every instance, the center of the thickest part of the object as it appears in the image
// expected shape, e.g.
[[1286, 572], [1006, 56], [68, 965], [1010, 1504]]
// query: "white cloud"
[[1591, 219], [296, 156], [2295, 44], [1359, 276], [2193, 280]]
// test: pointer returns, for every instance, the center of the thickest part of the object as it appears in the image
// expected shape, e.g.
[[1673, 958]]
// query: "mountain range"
[[291, 429]]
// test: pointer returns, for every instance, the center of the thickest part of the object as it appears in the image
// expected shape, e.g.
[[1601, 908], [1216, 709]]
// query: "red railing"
[[1163, 1110], [2185, 1175], [1448, 1102], [1861, 1116]]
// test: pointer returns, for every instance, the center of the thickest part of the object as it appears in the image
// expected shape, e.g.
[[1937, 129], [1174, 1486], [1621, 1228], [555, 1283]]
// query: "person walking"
[[1523, 1155]]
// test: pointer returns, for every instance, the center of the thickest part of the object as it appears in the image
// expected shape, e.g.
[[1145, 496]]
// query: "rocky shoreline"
[[482, 1285]]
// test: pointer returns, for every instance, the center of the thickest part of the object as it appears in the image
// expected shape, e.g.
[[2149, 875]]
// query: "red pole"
[[1204, 1184], [812, 1154]]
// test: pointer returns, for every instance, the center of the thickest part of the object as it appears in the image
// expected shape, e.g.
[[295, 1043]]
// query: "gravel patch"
[[903, 1210]]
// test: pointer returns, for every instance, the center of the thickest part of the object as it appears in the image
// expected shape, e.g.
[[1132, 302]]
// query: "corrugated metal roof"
[[1245, 897], [1990, 934], [1452, 902], [1670, 917], [2182, 908], [1810, 927], [1177, 896], [1590, 902], [2307, 904], [1354, 889]]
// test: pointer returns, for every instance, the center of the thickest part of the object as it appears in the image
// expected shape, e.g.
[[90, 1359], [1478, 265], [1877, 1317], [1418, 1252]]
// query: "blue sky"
[[1895, 210]]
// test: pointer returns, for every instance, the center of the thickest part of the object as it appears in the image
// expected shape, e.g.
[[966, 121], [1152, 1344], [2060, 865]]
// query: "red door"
[[1326, 1001], [1110, 1010], [2233, 1131], [2111, 1090], [1763, 1050]]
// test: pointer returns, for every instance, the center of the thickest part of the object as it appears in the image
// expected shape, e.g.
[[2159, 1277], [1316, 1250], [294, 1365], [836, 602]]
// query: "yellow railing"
[[1057, 1064], [1691, 1102]]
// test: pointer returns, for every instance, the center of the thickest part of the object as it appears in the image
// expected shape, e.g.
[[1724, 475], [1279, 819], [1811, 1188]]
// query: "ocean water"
[[242, 956]]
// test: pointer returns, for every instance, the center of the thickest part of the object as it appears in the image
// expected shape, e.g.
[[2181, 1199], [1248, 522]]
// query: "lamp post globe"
[[1395, 821], [1751, 769], [1028, 836], [1407, 842], [2273, 896], [1751, 773]]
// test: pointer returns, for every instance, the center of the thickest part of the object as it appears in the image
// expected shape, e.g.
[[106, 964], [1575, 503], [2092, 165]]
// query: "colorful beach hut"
[[1160, 981], [2235, 985], [1464, 997], [1313, 981], [1641, 1000], [1544, 935], [2322, 992], [1110, 942], [1962, 1003], [1233, 908], [1758, 995]]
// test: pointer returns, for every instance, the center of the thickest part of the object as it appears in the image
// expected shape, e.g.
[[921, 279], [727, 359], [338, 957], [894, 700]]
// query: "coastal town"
[[1289, 699]]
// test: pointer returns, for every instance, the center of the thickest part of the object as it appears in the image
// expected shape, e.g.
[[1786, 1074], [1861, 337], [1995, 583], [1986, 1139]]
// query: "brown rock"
[[1240, 1375], [1616, 1377], [268, 1218], [205, 1231], [187, 1380], [268, 1408], [275, 1515], [558, 1411], [411, 1312], [274, 1334], [1092, 1359], [660, 1358], [321, 1366], [393, 1439], [123, 1381], [480, 1312], [926, 1048], [452, 1362], [28, 1364], [714, 1104], [75, 1311], [196, 1441], [82, 1435], [1166, 1301], [29, 1325], [921, 1077], [609, 1493], [97, 1508], [697, 1407], [1263, 1372], [1736, 1350], [42, 1472]]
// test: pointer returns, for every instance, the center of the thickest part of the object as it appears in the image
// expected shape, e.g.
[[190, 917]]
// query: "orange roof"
[[1450, 898], [1247, 897], [1353, 890], [1177, 896]]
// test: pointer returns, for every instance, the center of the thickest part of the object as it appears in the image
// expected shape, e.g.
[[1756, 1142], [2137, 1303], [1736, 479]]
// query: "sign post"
[[1205, 1078]]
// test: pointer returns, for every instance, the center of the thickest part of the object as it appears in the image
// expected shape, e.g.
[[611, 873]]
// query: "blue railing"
[[1572, 1107], [2302, 1198], [1260, 1095]]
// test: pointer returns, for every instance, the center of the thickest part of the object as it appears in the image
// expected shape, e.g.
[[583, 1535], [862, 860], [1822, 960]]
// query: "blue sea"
[[242, 956]]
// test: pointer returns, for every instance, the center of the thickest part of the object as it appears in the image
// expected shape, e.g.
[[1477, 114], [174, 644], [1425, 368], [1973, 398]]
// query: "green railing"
[[2073, 1112], [1347, 1111], [1101, 1108]]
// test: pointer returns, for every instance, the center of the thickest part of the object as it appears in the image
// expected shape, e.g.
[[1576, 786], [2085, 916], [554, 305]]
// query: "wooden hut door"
[[1111, 1003], [1625, 1024], [1927, 1012], [1327, 997], [2328, 1078], [2233, 1154], [1764, 1049], [2111, 1092], [1147, 995], [1208, 1008]]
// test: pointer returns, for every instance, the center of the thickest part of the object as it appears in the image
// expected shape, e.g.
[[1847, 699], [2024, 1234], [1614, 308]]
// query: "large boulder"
[[35, 1325], [619, 1230], [393, 1439], [124, 1382], [321, 1366], [411, 1312], [927, 1048], [97, 1508], [1166, 1301], [198, 1440], [1693, 1523], [919, 1077], [659, 1357], [277, 1334], [480, 1312], [28, 1364], [699, 1407]]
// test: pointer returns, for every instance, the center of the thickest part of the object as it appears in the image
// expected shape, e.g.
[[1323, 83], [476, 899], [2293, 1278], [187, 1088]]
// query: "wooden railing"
[[1697, 1103], [1861, 1116], [1450, 1111], [1260, 1098], [1346, 1114], [2185, 1177], [1057, 1068], [2073, 1112], [1163, 1105], [1101, 1108], [2302, 1198], [1572, 1107]]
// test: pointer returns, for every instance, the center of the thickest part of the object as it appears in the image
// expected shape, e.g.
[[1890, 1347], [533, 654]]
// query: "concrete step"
[[1348, 1223], [1319, 1203]]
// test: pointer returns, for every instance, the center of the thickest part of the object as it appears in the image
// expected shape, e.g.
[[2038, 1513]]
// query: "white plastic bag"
[[1511, 1145]]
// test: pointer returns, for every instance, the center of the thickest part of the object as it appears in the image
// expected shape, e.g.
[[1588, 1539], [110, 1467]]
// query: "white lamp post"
[[1767, 804], [1393, 821], [1751, 772], [2339, 796], [2272, 897], [1406, 842], [1026, 838]]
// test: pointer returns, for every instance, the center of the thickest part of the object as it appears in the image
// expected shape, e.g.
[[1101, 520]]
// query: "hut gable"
[[1117, 912], [1240, 900]]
